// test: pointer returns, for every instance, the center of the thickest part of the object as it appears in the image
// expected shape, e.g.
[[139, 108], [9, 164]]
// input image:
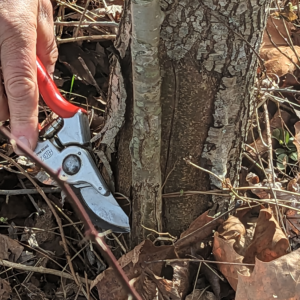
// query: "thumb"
[[18, 58]]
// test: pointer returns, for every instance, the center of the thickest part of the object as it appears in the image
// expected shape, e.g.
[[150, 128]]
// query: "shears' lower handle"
[[51, 95]]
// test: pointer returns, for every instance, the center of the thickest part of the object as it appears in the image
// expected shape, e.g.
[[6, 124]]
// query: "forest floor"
[[251, 251]]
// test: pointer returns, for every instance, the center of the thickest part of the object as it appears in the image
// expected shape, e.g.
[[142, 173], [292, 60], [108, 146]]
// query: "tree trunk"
[[207, 66]]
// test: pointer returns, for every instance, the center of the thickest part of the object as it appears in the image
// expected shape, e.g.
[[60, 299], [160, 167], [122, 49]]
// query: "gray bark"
[[207, 73], [146, 132]]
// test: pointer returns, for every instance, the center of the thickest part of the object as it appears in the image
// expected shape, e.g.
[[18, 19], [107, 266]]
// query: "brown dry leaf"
[[223, 251], [5, 289], [277, 63], [193, 236], [253, 180], [269, 242], [235, 242], [277, 31], [292, 223], [287, 13], [9, 249], [278, 279], [134, 264]]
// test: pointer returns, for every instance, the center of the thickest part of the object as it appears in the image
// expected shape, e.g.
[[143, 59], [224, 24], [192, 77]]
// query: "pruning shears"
[[64, 144]]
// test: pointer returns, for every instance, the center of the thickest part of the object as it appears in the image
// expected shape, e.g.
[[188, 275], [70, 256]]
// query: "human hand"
[[26, 31]]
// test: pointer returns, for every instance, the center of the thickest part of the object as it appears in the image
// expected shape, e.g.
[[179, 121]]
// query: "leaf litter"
[[255, 248]]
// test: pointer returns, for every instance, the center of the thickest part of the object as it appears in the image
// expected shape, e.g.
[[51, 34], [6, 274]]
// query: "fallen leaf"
[[253, 181], [9, 248], [134, 264], [194, 234], [223, 251], [287, 13], [5, 289], [241, 240], [277, 32], [278, 279], [269, 242], [280, 61]]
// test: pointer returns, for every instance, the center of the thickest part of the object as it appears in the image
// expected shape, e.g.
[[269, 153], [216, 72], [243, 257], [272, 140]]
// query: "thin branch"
[[98, 38], [198, 260], [91, 231], [42, 270], [57, 218], [29, 191], [86, 24], [81, 18]]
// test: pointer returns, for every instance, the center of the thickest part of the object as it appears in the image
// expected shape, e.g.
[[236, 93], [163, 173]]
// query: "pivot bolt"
[[71, 164]]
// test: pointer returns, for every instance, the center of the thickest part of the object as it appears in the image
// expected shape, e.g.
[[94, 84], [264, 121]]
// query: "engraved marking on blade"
[[45, 154]]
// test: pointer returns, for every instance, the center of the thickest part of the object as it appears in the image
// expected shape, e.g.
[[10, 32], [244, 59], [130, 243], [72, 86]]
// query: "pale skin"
[[26, 30]]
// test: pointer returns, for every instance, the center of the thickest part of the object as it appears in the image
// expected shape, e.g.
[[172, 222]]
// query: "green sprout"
[[287, 151]]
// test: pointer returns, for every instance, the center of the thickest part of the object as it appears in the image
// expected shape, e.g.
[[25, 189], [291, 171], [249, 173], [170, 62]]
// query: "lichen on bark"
[[208, 71], [146, 136]]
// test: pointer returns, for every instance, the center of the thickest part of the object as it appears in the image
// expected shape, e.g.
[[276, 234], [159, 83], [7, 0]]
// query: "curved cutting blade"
[[104, 211]]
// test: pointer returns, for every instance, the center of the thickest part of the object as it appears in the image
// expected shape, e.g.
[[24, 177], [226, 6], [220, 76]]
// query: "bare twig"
[[39, 211], [57, 218], [42, 270], [91, 231], [98, 38], [87, 24], [29, 191], [81, 18], [198, 260]]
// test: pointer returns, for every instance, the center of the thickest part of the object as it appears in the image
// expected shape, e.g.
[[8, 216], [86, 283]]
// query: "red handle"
[[51, 95]]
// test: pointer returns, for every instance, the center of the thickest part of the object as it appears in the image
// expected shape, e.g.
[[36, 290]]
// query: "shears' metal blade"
[[104, 211]]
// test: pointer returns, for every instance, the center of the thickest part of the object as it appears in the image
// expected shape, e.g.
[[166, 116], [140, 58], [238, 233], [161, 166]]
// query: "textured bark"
[[146, 135], [208, 73]]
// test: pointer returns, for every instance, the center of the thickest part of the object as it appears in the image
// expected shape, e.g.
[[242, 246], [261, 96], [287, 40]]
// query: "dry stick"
[[77, 229], [200, 263], [270, 148], [98, 38], [29, 191], [39, 211], [91, 77], [57, 218], [81, 258], [109, 15], [81, 18], [42, 270], [75, 9], [281, 90], [91, 231], [87, 285], [87, 24], [198, 260]]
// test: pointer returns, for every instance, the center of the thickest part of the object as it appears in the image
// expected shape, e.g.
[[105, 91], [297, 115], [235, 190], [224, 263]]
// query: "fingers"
[[46, 45], [4, 114], [18, 34]]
